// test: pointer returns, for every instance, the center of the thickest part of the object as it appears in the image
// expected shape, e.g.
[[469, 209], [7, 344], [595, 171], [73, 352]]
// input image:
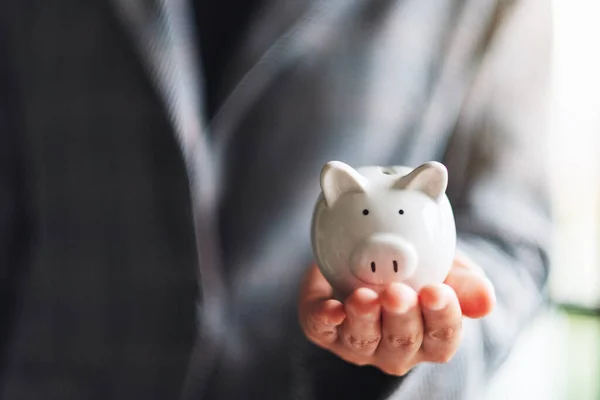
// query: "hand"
[[398, 328]]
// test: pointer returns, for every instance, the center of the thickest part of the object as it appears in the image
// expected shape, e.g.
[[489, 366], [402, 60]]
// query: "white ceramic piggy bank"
[[377, 225]]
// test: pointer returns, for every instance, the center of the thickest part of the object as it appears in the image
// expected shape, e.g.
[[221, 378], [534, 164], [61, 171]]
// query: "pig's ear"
[[430, 178], [338, 178]]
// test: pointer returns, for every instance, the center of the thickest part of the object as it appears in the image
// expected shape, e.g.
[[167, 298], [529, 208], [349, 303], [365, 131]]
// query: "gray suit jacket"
[[149, 252]]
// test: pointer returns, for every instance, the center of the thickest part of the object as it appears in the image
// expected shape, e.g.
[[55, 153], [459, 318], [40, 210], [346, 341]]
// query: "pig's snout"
[[383, 258]]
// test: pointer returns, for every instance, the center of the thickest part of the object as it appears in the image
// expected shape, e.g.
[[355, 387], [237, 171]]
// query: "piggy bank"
[[375, 225]]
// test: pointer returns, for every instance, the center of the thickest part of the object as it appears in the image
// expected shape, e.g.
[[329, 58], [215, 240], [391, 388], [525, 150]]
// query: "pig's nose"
[[383, 258]]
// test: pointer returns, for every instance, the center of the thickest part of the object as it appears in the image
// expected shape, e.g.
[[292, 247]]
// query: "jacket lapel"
[[162, 35], [281, 35]]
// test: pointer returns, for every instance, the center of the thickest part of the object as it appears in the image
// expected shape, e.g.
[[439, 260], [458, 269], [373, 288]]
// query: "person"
[[159, 162]]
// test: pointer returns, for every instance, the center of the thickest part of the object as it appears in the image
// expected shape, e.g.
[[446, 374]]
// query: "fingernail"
[[402, 308], [398, 310], [368, 295], [400, 298], [439, 303]]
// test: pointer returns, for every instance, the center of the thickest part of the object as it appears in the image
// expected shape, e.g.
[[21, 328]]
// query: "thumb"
[[474, 290]]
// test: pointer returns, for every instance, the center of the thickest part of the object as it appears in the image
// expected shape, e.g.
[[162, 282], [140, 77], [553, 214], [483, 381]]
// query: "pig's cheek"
[[334, 253]]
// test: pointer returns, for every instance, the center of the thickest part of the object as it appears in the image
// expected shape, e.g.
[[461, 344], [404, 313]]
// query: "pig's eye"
[[401, 212], [365, 212]]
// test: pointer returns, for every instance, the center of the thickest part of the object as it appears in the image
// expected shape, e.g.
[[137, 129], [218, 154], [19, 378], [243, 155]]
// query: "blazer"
[[151, 251]]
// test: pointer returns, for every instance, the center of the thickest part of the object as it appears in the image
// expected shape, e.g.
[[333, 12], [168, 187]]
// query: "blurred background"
[[559, 356]]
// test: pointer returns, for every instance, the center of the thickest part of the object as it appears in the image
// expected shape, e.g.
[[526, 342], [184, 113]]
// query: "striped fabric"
[[165, 248]]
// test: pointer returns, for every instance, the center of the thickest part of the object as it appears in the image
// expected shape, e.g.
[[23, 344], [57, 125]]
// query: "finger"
[[442, 319], [321, 322], [314, 290], [474, 290], [402, 323], [401, 328], [319, 315], [361, 330]]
